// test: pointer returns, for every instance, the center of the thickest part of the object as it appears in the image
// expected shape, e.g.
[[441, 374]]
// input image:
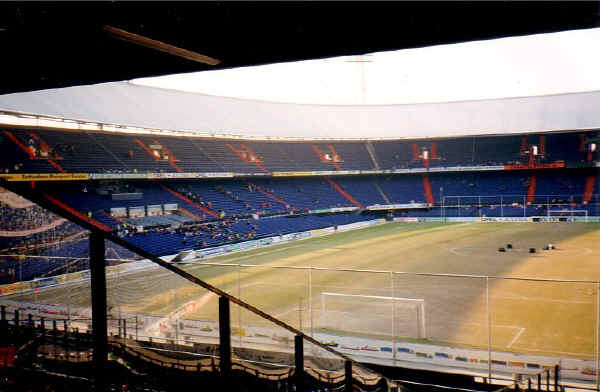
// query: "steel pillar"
[[3, 320], [99, 323], [348, 374], [299, 363], [224, 336]]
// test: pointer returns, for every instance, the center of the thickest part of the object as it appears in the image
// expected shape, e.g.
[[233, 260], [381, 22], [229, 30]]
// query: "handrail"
[[191, 365], [387, 272]]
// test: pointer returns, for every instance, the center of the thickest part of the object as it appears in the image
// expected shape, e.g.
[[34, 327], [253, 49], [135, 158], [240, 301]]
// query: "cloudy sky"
[[508, 67]]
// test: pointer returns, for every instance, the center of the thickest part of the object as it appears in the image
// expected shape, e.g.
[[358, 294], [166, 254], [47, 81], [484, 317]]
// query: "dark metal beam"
[[99, 323], [348, 376], [160, 46], [299, 363], [224, 337]]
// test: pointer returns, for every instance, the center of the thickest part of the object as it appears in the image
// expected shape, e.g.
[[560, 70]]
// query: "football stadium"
[[155, 238]]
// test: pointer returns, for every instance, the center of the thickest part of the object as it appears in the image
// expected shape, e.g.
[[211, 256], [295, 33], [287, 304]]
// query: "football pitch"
[[445, 265]]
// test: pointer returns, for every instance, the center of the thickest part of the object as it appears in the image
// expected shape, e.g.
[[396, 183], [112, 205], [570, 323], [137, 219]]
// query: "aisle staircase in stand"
[[427, 189], [344, 193], [590, 182]]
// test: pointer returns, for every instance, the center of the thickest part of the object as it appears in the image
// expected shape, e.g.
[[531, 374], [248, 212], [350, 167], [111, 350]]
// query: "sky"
[[524, 66]]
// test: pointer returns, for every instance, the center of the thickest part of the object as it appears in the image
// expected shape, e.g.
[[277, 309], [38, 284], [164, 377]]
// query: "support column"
[[299, 362], [348, 374], [3, 324], [224, 336], [489, 326], [99, 323]]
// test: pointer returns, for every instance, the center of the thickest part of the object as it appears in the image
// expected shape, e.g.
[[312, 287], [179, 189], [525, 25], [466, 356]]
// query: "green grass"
[[544, 318]]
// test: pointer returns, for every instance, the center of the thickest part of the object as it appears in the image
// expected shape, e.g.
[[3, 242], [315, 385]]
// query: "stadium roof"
[[128, 104], [512, 85], [53, 44]]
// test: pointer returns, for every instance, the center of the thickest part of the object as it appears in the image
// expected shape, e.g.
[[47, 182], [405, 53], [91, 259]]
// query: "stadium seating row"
[[51, 151]]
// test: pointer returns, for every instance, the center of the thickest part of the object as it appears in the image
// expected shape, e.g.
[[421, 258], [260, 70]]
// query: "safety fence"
[[494, 326]]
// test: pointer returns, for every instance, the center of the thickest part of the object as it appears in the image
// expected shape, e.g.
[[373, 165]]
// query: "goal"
[[373, 315], [564, 215]]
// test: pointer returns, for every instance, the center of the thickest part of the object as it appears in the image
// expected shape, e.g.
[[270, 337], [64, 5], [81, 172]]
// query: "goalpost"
[[569, 214], [544, 208], [373, 315]]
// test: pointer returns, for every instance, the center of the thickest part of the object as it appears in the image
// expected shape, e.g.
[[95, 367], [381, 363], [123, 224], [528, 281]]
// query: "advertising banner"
[[123, 176], [14, 288], [46, 177], [556, 165], [318, 232], [406, 219], [378, 207], [292, 174], [505, 219], [118, 211], [335, 209]]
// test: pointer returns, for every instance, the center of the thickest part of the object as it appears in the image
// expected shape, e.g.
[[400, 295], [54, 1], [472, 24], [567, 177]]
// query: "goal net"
[[562, 215], [373, 315]]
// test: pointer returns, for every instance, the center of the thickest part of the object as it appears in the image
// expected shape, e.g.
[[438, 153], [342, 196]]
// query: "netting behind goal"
[[373, 315]]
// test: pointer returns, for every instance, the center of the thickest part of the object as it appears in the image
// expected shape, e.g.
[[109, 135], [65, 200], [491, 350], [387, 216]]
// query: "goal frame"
[[554, 214], [414, 303], [450, 202]]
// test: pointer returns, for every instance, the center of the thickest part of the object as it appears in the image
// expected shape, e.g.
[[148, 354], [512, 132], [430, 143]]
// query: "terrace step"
[[198, 206], [343, 192], [324, 159], [531, 189], [590, 182], [381, 192], [427, 188]]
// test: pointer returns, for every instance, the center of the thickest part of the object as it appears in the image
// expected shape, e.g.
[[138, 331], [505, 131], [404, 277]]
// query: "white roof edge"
[[122, 103], [129, 82]]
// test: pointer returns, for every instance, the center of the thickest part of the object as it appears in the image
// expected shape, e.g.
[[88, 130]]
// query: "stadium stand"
[[97, 152], [165, 215], [214, 211], [22, 219], [364, 189]]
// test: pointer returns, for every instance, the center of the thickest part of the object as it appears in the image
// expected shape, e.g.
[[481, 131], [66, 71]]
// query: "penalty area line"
[[516, 337]]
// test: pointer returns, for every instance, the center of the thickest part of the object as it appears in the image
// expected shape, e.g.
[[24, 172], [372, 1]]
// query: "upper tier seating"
[[305, 193], [104, 152], [402, 189], [362, 189]]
